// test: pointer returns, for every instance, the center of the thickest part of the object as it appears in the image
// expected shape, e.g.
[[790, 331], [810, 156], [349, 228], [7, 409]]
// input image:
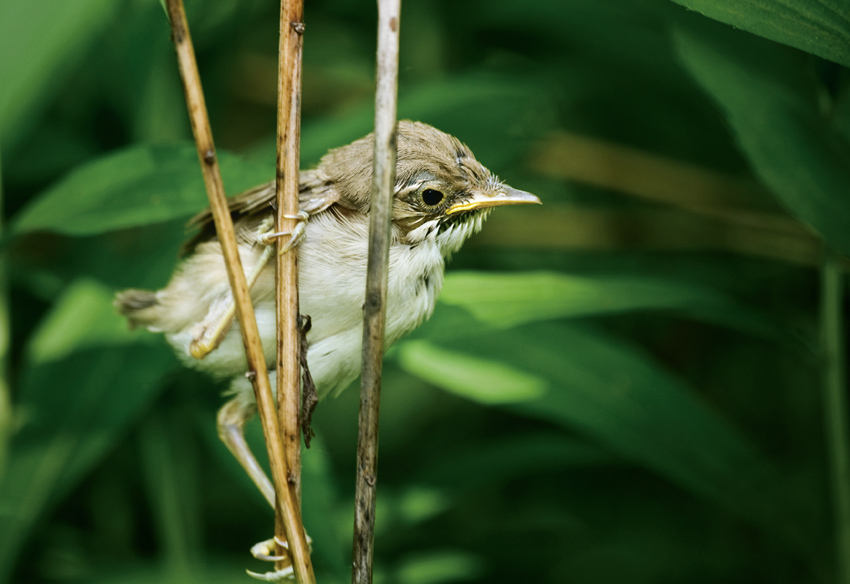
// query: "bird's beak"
[[504, 196]]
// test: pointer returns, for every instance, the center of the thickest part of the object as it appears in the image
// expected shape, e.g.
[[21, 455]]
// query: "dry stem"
[[288, 344], [383, 179], [258, 372]]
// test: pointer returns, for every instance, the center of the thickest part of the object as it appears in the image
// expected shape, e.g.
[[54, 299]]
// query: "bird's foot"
[[296, 235], [265, 551]]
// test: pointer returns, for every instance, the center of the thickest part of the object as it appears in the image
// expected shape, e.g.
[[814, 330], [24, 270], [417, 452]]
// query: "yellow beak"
[[504, 196]]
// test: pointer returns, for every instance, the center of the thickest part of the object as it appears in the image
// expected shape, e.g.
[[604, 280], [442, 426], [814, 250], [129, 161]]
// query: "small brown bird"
[[442, 196]]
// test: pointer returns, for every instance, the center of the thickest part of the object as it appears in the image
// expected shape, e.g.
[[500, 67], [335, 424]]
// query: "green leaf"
[[618, 397], [434, 567], [820, 27], [75, 410], [36, 40], [477, 379], [82, 317], [136, 186], [510, 299], [774, 105]]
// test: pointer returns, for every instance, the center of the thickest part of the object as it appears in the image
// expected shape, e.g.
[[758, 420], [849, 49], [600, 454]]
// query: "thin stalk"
[[286, 281], [835, 401], [257, 371], [5, 400], [383, 180]]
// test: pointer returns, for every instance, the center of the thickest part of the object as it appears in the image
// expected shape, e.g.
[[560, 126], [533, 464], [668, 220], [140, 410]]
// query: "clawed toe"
[[265, 551], [284, 575], [296, 235]]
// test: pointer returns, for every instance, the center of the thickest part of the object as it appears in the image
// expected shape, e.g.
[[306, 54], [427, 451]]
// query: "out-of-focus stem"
[[5, 333], [835, 401]]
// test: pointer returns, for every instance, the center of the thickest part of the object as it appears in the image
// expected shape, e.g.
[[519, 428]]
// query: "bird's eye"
[[432, 197]]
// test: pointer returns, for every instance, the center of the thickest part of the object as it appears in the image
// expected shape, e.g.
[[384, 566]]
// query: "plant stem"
[[835, 401], [257, 371], [383, 180], [286, 281], [5, 333]]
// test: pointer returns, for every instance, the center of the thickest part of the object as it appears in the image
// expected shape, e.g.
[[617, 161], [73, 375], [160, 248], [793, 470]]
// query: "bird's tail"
[[141, 307]]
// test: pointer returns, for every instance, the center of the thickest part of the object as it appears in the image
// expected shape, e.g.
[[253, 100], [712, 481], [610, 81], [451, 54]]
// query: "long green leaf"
[[774, 105], [136, 186], [820, 27], [481, 380], [510, 299]]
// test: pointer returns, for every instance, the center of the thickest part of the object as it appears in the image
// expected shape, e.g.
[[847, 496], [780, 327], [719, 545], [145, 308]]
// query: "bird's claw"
[[296, 235], [265, 551], [283, 575]]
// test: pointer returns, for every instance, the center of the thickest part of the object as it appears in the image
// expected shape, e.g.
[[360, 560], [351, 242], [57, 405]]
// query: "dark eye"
[[432, 198]]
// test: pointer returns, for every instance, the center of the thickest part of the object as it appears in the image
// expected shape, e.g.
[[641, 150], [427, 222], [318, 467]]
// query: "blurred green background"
[[625, 384]]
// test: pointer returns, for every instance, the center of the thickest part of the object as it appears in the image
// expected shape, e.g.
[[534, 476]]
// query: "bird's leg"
[[214, 327], [231, 429], [235, 413]]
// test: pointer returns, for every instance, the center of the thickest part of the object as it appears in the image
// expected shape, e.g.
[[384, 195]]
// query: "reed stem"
[[257, 370], [383, 180], [286, 281]]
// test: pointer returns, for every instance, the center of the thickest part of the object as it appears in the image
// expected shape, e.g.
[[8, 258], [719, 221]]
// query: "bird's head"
[[441, 190]]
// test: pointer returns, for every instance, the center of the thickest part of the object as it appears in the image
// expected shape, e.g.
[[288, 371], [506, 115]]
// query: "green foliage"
[[38, 40], [611, 388], [126, 190], [509, 300], [779, 112], [820, 27]]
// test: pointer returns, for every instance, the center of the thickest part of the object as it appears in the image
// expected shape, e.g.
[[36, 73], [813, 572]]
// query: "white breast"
[[332, 280]]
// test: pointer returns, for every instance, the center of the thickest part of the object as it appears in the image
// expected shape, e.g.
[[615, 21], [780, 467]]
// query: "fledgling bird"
[[442, 196]]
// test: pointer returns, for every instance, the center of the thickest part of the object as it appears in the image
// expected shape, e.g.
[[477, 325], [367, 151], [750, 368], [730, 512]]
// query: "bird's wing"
[[315, 194]]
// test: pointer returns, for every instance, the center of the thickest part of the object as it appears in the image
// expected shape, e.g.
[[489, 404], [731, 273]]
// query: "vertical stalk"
[[383, 180], [257, 371], [286, 281], [835, 402], [5, 333]]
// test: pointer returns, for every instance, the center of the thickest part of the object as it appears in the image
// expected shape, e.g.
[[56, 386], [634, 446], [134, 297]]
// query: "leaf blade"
[[135, 186], [773, 103], [819, 27]]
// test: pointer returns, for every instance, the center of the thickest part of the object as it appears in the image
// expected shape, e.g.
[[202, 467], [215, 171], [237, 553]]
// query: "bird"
[[441, 197]]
